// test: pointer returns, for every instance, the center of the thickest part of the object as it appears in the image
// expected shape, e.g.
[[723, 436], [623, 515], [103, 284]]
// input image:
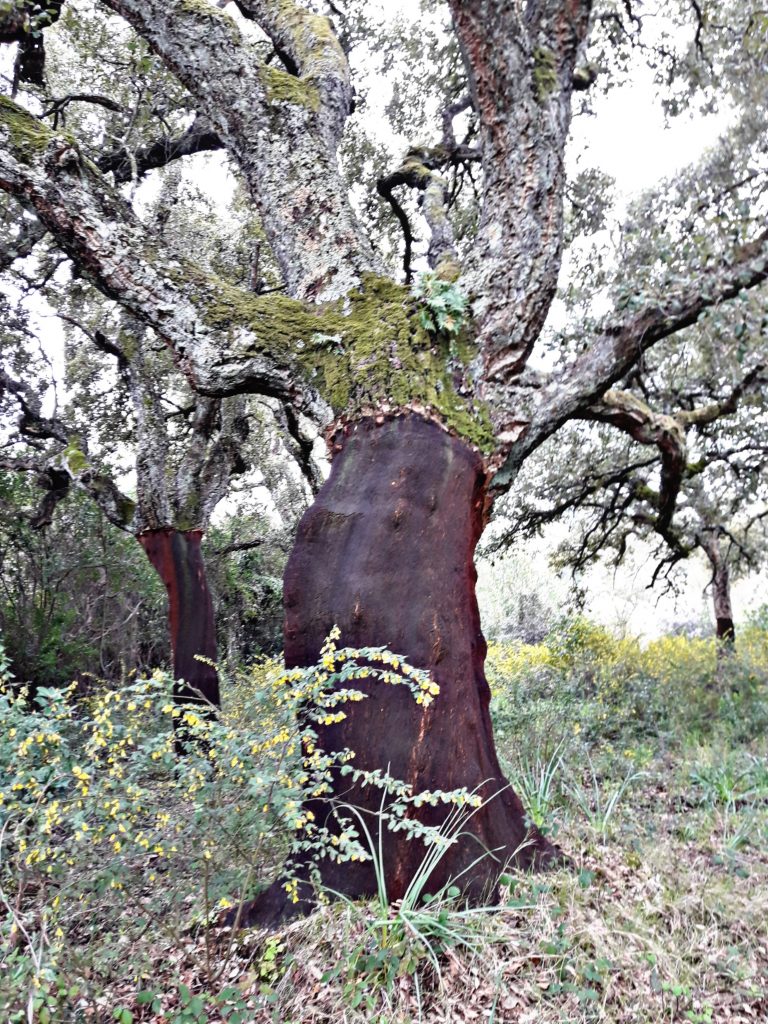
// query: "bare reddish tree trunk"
[[386, 553], [725, 629], [177, 557]]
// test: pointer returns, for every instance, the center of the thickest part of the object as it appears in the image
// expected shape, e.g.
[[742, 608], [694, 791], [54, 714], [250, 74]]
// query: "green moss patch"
[[28, 135], [281, 87], [374, 353]]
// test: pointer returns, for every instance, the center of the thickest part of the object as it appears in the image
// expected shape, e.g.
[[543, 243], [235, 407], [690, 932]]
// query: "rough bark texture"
[[178, 560], [725, 631], [282, 129], [386, 553], [522, 92]]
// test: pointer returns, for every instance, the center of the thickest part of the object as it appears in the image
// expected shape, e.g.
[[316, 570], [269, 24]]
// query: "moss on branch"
[[28, 135], [312, 38], [281, 87], [373, 354]]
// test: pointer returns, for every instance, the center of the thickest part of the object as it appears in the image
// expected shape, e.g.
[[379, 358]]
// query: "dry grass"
[[667, 920]]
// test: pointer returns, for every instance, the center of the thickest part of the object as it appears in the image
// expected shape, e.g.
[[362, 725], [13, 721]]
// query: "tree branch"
[[19, 18], [32, 422], [281, 129], [22, 22], [125, 165], [70, 466], [308, 46], [418, 171], [242, 545], [614, 351], [192, 311], [627, 413], [100, 341], [727, 406], [58, 106]]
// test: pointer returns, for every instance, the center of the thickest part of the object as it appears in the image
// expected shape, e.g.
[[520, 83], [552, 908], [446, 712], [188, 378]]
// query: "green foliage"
[[399, 939], [96, 813], [655, 851], [582, 680], [444, 307], [537, 782], [77, 598], [596, 803]]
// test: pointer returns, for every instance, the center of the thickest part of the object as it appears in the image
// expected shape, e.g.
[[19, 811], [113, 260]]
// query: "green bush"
[[107, 834], [583, 680]]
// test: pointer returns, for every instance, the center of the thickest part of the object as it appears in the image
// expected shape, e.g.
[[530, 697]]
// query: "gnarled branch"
[[125, 165], [194, 312], [613, 352], [281, 129]]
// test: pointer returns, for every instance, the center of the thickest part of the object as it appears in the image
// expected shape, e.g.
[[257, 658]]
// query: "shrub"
[[107, 834], [582, 679]]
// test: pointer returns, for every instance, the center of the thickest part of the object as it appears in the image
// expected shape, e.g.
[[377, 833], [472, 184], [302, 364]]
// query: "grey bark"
[[282, 129]]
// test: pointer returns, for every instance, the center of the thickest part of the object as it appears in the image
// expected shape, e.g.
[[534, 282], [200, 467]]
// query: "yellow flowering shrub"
[[97, 808], [583, 680]]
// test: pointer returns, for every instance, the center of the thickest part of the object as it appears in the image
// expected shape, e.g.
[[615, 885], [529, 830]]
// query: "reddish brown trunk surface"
[[726, 631], [177, 557], [386, 553]]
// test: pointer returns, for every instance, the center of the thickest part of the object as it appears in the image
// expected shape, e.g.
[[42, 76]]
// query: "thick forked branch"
[[418, 171], [225, 339], [612, 354], [308, 46], [194, 312], [627, 413], [281, 129], [520, 62]]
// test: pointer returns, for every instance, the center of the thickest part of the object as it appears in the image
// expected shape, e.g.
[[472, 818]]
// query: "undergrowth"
[[646, 764]]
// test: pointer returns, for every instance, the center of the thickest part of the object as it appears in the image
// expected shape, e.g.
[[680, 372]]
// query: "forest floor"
[[655, 786], [662, 916]]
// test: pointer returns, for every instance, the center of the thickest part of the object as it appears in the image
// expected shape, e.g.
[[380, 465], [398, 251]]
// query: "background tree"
[[67, 617], [676, 493], [690, 469], [186, 448], [428, 405]]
